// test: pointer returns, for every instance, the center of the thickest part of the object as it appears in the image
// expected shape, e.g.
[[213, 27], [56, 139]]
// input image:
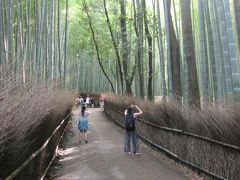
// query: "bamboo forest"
[[176, 62], [165, 48]]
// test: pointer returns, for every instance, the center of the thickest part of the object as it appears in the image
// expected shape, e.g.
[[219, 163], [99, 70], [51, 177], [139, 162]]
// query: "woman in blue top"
[[83, 124]]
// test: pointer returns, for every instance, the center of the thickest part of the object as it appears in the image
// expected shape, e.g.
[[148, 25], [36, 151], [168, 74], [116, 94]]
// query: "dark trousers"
[[128, 136]]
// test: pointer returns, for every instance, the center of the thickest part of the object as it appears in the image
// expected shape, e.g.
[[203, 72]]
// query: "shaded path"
[[103, 157]]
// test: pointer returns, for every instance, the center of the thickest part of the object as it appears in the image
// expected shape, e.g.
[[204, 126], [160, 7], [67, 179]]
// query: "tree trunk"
[[125, 47], [175, 57], [38, 40], [4, 33], [154, 49], [221, 83], [211, 51], [10, 33], [55, 44], [51, 40], [203, 55], [116, 51], [65, 46], [59, 43], [218, 4], [19, 44], [150, 60], [237, 18], [234, 61], [193, 90], [46, 42], [138, 30], [169, 60], [161, 53], [1, 35]]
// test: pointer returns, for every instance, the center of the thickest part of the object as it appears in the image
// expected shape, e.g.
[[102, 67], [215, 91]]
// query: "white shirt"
[[87, 100]]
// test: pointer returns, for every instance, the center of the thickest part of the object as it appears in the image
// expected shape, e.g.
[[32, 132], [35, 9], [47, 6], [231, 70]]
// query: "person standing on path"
[[87, 100], [101, 102], [81, 101], [78, 102], [130, 132], [83, 124]]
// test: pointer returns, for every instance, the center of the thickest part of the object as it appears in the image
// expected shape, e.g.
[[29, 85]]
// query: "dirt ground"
[[102, 158]]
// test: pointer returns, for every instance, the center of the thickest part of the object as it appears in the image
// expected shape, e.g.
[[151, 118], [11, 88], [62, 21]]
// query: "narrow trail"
[[102, 158]]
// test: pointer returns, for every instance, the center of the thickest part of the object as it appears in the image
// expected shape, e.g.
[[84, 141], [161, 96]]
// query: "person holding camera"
[[130, 130]]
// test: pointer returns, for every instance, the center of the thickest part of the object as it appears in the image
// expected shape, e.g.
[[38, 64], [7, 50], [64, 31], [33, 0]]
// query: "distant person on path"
[[78, 103], [92, 102], [87, 100], [131, 130], [101, 102], [83, 124], [81, 101]]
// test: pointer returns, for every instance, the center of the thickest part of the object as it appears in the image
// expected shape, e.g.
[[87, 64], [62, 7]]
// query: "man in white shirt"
[[87, 100]]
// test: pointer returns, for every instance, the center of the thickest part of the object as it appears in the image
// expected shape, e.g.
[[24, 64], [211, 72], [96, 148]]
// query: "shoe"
[[138, 154], [86, 141], [129, 153]]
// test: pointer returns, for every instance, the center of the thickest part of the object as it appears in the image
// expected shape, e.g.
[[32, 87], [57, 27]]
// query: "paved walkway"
[[102, 158]]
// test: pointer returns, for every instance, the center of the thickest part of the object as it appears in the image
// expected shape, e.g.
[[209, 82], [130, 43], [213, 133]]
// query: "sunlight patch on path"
[[117, 174]]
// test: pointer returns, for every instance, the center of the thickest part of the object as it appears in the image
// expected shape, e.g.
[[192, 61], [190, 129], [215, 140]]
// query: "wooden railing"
[[36, 166], [212, 159]]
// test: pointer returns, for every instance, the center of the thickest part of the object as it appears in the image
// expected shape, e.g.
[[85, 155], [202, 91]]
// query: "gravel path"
[[102, 158]]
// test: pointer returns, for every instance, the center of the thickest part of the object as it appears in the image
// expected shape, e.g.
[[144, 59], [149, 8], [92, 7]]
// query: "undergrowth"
[[28, 116], [221, 123]]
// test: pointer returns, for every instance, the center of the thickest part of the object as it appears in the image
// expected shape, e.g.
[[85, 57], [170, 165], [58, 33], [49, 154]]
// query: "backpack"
[[130, 122]]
